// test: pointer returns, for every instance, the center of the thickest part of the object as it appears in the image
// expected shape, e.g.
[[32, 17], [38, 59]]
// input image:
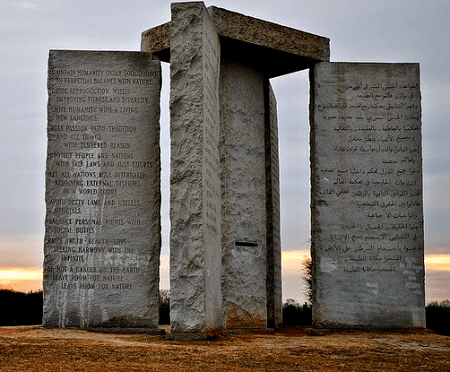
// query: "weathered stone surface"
[[254, 39], [157, 39], [220, 204], [242, 103], [195, 206], [273, 228], [251, 30], [367, 214], [102, 239], [259, 42], [251, 271]]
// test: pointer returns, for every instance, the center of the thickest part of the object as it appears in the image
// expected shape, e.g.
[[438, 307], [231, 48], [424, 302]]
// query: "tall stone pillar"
[[102, 228], [243, 166], [251, 273], [225, 214], [273, 214], [367, 210], [195, 196]]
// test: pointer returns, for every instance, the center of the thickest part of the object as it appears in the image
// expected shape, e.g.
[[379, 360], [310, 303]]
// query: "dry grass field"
[[32, 348]]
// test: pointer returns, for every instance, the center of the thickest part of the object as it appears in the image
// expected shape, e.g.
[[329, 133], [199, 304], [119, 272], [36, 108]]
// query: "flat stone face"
[[284, 49], [242, 103], [102, 239], [220, 274], [240, 27], [367, 214], [277, 49], [195, 208]]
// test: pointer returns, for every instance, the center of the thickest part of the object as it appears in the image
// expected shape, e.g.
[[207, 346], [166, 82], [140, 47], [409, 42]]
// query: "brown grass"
[[291, 349]]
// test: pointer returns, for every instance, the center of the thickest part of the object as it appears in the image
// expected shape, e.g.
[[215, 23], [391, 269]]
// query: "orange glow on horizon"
[[437, 262], [292, 262], [30, 279], [21, 279]]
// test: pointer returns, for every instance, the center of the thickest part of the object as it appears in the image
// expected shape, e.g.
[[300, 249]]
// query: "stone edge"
[[255, 31], [246, 29], [157, 40], [129, 331]]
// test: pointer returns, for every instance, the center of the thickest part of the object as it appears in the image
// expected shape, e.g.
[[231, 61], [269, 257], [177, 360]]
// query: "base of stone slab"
[[249, 330], [326, 331], [317, 331], [214, 335], [133, 331], [188, 336]]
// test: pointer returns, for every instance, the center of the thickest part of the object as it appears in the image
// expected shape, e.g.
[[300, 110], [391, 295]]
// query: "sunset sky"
[[360, 31]]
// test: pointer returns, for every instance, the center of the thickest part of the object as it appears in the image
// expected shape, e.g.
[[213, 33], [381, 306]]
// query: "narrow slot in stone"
[[246, 244]]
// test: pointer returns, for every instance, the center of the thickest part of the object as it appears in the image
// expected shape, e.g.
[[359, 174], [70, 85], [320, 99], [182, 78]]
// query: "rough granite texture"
[[158, 40], [243, 196], [259, 42], [274, 295], [367, 208], [221, 208], [102, 238], [240, 27], [195, 210]]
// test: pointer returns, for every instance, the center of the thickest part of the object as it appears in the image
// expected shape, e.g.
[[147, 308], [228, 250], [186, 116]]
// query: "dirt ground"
[[33, 348]]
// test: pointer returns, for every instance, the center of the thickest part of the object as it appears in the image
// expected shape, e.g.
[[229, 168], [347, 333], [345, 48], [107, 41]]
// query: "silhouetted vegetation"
[[438, 317], [307, 278], [295, 314], [164, 306], [18, 308]]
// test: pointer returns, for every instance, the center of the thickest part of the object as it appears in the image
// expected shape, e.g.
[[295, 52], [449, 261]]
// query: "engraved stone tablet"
[[367, 216], [102, 239]]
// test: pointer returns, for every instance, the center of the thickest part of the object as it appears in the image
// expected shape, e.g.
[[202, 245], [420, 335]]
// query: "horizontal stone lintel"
[[157, 39], [277, 49]]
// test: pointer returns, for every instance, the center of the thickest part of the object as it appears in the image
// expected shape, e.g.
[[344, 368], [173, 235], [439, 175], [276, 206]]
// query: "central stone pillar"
[[244, 195], [225, 214], [250, 197]]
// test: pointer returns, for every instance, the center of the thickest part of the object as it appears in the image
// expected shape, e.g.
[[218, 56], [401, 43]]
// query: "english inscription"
[[102, 173]]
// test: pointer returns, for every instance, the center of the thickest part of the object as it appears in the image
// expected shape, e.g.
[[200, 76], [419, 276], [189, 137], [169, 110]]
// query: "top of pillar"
[[278, 49]]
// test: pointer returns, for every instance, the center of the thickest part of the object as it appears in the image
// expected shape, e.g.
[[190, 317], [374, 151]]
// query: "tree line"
[[20, 308]]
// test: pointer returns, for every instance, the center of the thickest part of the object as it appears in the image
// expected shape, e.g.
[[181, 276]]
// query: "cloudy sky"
[[360, 31]]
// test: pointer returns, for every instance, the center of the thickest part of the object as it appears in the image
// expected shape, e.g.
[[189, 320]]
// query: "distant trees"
[[164, 306], [18, 308], [307, 278], [295, 314], [438, 317]]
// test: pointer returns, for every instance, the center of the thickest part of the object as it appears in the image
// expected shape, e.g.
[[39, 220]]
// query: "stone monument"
[[102, 242], [367, 214], [225, 252]]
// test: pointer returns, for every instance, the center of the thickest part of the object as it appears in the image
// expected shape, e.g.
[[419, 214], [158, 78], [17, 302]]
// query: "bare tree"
[[307, 278]]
